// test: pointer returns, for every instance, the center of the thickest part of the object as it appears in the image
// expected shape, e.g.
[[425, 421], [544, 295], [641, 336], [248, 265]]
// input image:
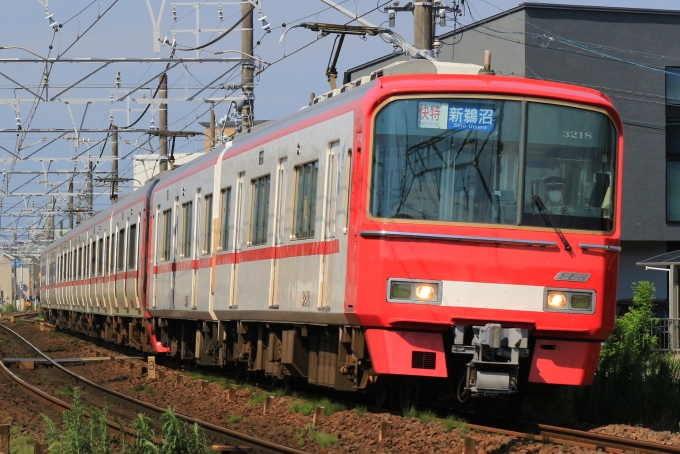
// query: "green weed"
[[144, 388], [120, 378], [222, 381], [323, 438], [426, 416], [257, 399], [411, 413], [247, 386], [234, 419], [20, 444], [360, 410], [302, 407], [452, 422], [65, 390]]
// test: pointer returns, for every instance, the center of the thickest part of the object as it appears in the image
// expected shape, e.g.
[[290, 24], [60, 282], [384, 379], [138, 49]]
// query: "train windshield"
[[493, 162]]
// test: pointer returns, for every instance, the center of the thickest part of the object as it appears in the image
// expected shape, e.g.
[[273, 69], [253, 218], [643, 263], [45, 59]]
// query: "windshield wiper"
[[548, 220]]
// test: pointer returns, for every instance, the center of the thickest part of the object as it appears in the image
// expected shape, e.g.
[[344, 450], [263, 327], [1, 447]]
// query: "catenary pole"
[[248, 65], [163, 123]]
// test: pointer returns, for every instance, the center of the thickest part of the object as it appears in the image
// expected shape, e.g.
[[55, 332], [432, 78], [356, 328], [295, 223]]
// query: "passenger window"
[[100, 256], [186, 227], [93, 258], [259, 210], [225, 196], [79, 263], [306, 177], [207, 225], [107, 259], [121, 250], [132, 246], [166, 233]]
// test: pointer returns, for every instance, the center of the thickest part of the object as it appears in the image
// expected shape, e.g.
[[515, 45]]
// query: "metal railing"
[[667, 332]]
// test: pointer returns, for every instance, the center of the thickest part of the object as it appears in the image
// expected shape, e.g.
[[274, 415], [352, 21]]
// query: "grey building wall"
[[629, 272], [507, 52], [621, 52], [638, 93]]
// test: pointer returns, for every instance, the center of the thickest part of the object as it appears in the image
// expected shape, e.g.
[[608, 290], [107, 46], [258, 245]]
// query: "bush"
[[634, 384], [78, 436]]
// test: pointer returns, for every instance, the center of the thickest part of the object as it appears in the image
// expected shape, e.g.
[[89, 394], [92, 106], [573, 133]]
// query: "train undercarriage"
[[488, 361]]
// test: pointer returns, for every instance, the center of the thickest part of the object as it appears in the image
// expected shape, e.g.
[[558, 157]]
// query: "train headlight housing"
[[570, 300], [581, 301], [426, 292], [413, 291], [557, 300]]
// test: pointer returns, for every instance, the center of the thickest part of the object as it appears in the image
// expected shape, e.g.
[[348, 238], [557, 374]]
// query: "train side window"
[[107, 260], [259, 210], [86, 260], [79, 263], [100, 256], [186, 227], [306, 178], [132, 247], [225, 200], [121, 250], [112, 264], [93, 258], [166, 234], [207, 224]]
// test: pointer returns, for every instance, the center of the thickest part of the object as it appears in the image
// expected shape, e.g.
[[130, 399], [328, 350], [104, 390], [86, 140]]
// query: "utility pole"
[[423, 26], [114, 165], [248, 65], [163, 123], [50, 223], [89, 190], [212, 129], [70, 204]]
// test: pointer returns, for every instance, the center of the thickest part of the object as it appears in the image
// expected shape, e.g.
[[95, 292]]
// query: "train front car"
[[487, 232]]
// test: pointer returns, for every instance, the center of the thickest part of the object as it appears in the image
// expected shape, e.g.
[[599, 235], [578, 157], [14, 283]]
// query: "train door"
[[131, 259], [329, 227], [238, 233], [172, 253], [282, 184]]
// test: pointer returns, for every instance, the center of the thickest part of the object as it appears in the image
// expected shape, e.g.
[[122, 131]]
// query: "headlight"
[[557, 300], [426, 292], [581, 301], [407, 291], [567, 300], [400, 290]]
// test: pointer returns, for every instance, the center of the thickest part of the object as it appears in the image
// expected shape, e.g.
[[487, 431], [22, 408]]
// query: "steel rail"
[[52, 402], [218, 432], [586, 440]]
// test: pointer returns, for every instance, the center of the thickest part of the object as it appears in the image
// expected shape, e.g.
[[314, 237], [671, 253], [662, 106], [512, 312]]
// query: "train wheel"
[[461, 393], [409, 394], [381, 393], [288, 382]]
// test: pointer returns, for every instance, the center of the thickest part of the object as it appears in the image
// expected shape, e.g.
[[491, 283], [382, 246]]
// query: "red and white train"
[[423, 223]]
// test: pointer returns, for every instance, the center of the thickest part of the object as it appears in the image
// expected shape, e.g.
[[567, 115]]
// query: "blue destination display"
[[471, 116]]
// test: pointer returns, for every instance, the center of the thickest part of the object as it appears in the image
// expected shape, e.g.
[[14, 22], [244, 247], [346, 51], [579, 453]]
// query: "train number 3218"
[[577, 135]]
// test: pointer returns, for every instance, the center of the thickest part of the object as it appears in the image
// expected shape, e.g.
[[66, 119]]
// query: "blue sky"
[[126, 31]]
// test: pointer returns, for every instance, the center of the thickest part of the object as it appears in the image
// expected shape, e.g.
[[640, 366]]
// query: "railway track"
[[537, 432], [237, 441]]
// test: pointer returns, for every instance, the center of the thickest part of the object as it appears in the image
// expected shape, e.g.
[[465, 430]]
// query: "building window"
[[225, 197], [673, 144], [259, 211], [166, 234], [207, 225], [306, 177], [185, 235]]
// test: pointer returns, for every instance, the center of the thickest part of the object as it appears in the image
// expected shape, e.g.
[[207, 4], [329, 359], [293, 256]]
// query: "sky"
[[124, 29]]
